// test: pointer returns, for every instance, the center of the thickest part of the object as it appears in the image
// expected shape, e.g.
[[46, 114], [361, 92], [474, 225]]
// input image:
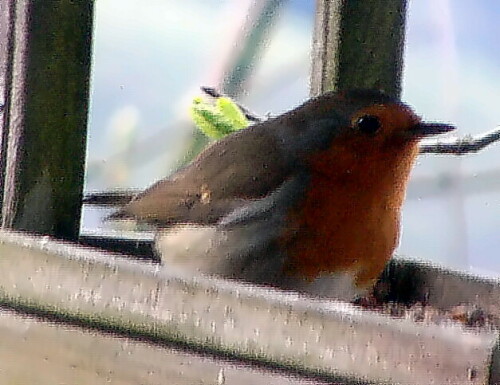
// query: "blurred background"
[[150, 57]]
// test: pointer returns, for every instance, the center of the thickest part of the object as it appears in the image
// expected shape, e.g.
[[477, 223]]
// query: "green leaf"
[[219, 120], [232, 112]]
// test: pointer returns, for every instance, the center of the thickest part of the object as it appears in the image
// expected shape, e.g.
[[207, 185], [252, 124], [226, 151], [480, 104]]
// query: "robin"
[[309, 200]]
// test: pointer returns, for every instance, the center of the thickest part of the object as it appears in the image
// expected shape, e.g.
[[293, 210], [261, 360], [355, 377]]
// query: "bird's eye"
[[368, 124]]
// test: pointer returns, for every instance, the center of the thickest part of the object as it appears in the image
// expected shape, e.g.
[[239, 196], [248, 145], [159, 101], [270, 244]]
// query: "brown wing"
[[246, 165]]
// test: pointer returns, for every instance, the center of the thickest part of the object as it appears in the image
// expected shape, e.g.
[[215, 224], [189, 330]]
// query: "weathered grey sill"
[[141, 300], [48, 353]]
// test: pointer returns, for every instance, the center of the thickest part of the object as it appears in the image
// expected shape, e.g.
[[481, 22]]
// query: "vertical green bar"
[[47, 116], [358, 44]]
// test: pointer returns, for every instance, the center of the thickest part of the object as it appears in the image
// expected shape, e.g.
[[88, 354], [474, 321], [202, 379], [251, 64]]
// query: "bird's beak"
[[422, 129]]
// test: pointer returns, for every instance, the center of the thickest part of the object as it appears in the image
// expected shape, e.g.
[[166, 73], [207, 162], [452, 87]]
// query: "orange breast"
[[349, 218]]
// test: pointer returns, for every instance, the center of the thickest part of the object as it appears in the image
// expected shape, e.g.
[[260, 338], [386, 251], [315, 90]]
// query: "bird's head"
[[389, 124], [357, 120]]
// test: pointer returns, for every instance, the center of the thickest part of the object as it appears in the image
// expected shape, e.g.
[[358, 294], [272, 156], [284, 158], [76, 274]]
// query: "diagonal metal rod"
[[460, 146]]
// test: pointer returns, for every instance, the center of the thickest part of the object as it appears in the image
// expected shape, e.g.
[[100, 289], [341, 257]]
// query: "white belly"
[[209, 251]]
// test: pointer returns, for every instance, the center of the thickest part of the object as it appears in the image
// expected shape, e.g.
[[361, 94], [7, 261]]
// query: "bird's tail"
[[119, 215]]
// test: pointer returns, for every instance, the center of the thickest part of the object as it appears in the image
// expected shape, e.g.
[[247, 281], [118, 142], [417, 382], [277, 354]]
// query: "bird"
[[309, 200]]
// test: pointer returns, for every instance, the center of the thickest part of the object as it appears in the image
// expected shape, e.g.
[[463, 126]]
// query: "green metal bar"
[[358, 44], [47, 122]]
